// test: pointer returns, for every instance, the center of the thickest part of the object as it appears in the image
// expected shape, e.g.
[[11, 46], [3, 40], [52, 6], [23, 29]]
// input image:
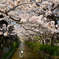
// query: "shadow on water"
[[25, 52]]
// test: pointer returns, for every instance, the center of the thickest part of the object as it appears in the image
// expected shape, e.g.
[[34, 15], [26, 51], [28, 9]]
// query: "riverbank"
[[46, 51]]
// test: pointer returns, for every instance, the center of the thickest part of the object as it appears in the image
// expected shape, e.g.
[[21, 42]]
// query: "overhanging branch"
[[20, 5]]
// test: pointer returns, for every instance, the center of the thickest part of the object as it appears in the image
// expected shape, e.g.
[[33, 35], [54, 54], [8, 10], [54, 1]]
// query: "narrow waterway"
[[25, 52]]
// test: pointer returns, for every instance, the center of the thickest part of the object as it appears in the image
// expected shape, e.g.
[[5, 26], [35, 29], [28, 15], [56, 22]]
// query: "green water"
[[28, 53]]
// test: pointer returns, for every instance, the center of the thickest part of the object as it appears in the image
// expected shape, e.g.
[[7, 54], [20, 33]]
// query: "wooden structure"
[[6, 39]]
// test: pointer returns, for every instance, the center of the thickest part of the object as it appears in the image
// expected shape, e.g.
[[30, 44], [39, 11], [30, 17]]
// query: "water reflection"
[[21, 54]]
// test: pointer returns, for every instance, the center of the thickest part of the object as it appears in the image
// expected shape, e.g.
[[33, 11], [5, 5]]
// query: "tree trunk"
[[46, 41], [43, 42], [52, 40]]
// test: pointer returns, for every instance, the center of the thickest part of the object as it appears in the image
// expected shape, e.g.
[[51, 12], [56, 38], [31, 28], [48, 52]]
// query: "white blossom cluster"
[[42, 14]]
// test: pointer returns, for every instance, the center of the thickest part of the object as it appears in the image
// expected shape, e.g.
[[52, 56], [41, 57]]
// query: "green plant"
[[57, 41], [14, 45], [36, 37], [7, 54], [51, 50]]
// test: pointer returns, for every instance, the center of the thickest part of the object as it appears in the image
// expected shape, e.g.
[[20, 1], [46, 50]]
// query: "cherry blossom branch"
[[20, 5], [55, 7]]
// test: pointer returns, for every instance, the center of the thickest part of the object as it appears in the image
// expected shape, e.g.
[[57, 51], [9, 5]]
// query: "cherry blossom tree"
[[33, 17]]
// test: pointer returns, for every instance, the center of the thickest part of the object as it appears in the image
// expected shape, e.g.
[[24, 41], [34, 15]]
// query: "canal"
[[25, 52]]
